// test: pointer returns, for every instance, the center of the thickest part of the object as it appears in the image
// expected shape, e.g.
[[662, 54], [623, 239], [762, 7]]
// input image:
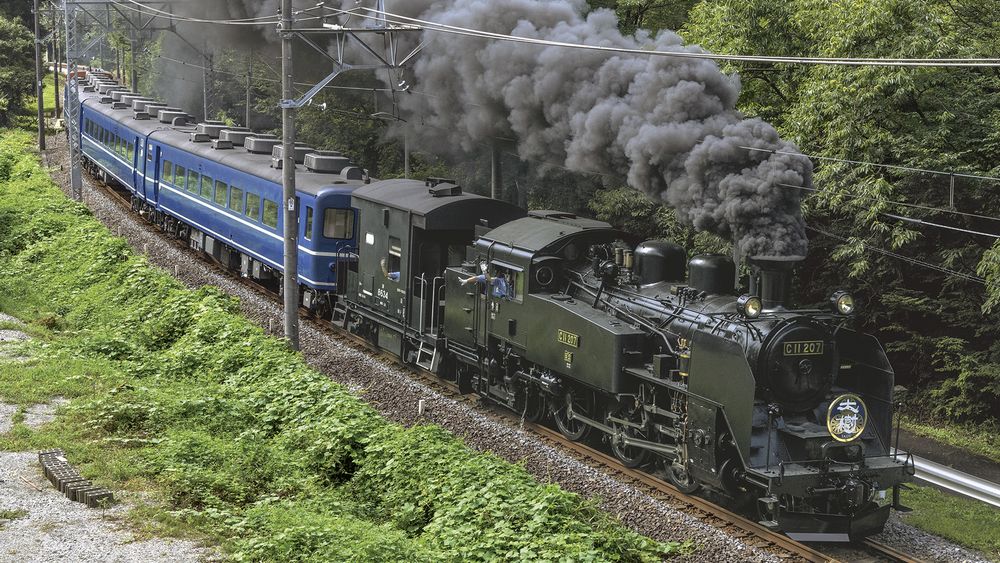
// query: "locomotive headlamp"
[[843, 302], [749, 306]]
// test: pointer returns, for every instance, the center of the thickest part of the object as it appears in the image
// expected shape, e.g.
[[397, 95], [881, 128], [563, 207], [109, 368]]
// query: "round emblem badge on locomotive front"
[[847, 417]]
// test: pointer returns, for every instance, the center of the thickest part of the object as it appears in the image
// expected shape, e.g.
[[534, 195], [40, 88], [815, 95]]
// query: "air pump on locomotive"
[[787, 411]]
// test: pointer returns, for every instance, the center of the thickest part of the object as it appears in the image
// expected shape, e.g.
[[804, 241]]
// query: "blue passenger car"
[[202, 183]]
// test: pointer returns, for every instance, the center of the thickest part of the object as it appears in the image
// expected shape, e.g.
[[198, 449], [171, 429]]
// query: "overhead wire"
[[940, 226], [891, 202], [914, 261], [875, 164], [255, 21], [841, 61]]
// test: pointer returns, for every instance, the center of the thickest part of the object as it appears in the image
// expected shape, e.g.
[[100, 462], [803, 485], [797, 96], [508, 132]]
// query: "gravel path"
[[394, 394], [53, 528], [9, 335], [47, 526]]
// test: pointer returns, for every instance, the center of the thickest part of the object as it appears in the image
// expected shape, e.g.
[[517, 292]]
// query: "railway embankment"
[[176, 398]]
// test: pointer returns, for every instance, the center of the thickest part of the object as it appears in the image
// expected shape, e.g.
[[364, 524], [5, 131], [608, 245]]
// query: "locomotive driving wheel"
[[679, 477], [577, 402], [630, 456], [529, 403]]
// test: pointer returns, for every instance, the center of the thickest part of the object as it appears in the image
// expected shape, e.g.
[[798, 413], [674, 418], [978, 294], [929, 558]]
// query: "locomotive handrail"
[[423, 297], [437, 301]]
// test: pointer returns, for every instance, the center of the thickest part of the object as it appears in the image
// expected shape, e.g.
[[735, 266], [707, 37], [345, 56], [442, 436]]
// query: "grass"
[[964, 521], [9, 515], [230, 435], [980, 439]]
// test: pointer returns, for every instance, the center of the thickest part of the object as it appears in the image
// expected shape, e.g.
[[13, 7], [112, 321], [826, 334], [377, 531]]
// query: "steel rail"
[[890, 552], [956, 481]]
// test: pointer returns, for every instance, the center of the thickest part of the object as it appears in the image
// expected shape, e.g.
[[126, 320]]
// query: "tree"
[[17, 68], [939, 328]]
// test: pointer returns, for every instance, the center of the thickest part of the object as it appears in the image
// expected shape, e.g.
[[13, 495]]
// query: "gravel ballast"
[[395, 393], [54, 528]]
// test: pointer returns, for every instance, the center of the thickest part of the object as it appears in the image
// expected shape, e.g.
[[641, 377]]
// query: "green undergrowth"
[[172, 391], [964, 521], [982, 439]]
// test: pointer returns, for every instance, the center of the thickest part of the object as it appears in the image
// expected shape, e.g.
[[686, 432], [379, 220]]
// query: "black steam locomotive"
[[785, 410]]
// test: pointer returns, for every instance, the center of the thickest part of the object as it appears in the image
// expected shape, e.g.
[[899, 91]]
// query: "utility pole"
[[406, 153], [291, 277], [39, 85], [496, 174], [73, 54], [133, 71], [55, 58], [246, 122]]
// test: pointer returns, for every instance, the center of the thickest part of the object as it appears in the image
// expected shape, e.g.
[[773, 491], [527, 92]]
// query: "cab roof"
[[440, 205], [541, 229]]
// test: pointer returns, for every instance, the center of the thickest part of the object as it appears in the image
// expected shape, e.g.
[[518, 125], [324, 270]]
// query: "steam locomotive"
[[785, 410], [743, 395]]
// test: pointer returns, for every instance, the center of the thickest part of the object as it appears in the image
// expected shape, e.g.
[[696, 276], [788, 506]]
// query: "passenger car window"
[[131, 152], [221, 191], [253, 205], [270, 213], [206, 187], [309, 223], [338, 223], [179, 173], [236, 199], [192, 181], [168, 171]]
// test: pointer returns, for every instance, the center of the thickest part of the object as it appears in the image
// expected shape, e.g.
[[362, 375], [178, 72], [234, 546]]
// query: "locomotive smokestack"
[[771, 279]]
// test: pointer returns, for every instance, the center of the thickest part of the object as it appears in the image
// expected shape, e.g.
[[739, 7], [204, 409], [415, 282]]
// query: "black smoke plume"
[[668, 126]]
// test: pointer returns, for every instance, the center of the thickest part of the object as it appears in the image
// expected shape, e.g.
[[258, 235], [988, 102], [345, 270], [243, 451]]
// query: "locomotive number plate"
[[568, 338], [804, 348]]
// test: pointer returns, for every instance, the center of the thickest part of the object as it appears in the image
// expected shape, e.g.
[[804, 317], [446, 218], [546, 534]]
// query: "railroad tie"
[[68, 481]]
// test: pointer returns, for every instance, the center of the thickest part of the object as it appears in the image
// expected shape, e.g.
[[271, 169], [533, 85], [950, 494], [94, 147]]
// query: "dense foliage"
[[17, 68], [247, 444]]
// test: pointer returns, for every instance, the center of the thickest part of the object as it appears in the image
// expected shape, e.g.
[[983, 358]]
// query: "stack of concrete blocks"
[[69, 482]]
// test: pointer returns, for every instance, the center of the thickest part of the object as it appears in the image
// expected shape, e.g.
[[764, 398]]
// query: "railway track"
[[706, 511]]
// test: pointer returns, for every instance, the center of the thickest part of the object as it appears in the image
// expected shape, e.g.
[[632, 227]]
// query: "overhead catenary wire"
[[891, 202], [839, 61], [940, 226], [875, 164], [399, 19], [914, 261], [255, 21]]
